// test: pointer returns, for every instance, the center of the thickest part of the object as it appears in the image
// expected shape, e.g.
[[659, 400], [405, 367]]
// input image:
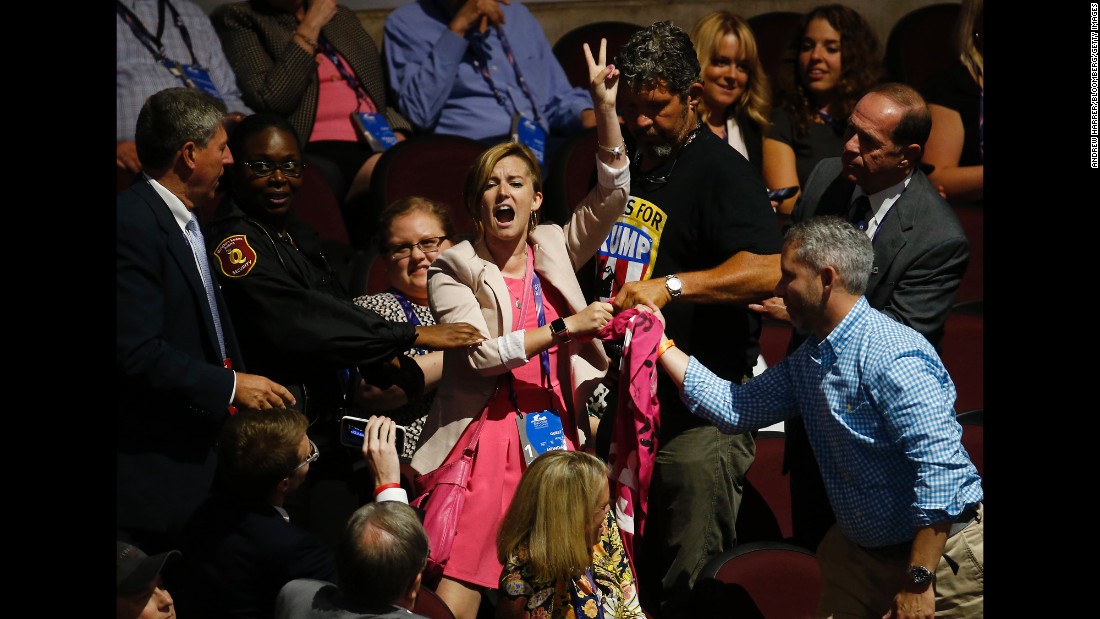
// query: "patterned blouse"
[[385, 304], [614, 597]]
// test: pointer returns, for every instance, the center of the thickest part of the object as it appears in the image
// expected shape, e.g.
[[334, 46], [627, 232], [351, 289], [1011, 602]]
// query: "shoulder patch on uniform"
[[235, 256]]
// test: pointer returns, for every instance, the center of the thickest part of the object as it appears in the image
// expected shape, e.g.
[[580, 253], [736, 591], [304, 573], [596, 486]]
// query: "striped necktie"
[[198, 248]]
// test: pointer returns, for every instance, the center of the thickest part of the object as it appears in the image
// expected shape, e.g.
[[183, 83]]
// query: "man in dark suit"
[[921, 250], [174, 352], [241, 545]]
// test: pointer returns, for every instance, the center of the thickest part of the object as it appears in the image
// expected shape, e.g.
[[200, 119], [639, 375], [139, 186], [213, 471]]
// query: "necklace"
[[661, 180], [526, 274]]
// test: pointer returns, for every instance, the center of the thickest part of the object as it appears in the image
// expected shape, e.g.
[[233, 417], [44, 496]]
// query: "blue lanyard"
[[410, 314], [353, 82], [147, 39], [481, 63], [544, 356]]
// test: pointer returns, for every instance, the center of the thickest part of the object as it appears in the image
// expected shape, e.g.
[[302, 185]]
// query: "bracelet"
[[665, 346], [308, 40], [379, 489], [618, 150]]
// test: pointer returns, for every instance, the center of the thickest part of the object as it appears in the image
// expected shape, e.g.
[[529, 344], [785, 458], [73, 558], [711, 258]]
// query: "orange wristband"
[[379, 489], [665, 346]]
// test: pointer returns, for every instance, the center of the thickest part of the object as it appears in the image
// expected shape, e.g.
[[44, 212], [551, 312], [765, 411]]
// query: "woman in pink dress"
[[539, 364]]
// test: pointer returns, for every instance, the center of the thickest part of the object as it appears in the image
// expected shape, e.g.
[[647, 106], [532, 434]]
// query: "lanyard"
[[829, 120], [147, 39], [481, 63], [410, 314], [353, 82], [540, 315]]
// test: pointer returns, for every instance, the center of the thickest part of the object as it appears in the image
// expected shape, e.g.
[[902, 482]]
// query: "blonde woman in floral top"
[[559, 543]]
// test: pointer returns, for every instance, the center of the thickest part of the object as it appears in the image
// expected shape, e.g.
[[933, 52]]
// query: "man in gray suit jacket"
[[921, 250]]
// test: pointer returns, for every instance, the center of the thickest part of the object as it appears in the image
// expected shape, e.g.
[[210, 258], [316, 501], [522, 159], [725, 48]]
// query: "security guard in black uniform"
[[294, 319]]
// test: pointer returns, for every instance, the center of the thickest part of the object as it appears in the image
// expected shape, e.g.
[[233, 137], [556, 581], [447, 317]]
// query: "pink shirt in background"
[[336, 100]]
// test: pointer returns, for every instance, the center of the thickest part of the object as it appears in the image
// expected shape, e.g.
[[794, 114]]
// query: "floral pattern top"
[[386, 305], [614, 596]]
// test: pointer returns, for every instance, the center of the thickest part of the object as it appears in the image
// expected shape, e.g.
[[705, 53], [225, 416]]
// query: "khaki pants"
[[861, 582]]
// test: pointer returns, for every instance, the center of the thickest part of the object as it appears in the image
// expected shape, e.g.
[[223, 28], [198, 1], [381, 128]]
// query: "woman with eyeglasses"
[[291, 313], [517, 283], [312, 62], [562, 552], [411, 233]]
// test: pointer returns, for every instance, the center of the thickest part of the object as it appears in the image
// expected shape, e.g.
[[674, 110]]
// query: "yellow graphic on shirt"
[[629, 253]]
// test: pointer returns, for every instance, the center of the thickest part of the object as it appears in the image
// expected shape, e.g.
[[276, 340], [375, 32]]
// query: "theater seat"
[[772, 580], [430, 165], [774, 31], [962, 352], [569, 48], [429, 604], [921, 44]]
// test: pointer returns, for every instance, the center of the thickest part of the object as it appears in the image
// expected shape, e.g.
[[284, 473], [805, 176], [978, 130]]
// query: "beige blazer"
[[464, 285]]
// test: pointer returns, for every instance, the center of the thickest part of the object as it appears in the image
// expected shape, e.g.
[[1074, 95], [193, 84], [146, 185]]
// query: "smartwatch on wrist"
[[560, 331]]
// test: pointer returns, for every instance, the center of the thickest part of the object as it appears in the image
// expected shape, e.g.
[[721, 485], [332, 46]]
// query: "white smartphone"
[[353, 430]]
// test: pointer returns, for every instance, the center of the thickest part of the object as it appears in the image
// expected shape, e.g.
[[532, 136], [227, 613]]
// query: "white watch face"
[[674, 285]]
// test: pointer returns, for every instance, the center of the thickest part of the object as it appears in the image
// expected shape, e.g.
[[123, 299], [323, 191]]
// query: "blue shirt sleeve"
[[422, 59], [732, 408]]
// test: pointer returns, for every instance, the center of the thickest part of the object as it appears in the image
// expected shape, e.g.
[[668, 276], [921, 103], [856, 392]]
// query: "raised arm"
[[594, 217]]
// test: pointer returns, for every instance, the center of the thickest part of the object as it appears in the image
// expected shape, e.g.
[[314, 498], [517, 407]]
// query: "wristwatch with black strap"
[[920, 575]]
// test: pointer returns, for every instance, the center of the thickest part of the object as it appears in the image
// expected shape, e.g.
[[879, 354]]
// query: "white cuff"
[[512, 351], [393, 494], [612, 178]]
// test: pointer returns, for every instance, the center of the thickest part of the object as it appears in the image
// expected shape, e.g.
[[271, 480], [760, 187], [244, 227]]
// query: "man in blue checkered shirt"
[[878, 407]]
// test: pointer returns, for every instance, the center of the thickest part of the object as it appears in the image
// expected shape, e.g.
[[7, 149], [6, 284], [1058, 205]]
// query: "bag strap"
[[471, 447]]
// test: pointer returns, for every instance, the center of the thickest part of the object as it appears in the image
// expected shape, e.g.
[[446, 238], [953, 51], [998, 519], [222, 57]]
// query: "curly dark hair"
[[660, 52], [861, 67]]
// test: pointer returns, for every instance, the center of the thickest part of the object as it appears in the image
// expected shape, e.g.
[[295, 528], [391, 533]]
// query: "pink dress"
[[499, 461]]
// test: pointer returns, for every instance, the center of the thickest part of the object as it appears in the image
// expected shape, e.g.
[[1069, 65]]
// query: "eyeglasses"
[[314, 454], [293, 169], [660, 180], [429, 245]]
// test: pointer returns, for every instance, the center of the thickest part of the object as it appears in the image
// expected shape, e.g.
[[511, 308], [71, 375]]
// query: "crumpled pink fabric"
[[637, 419]]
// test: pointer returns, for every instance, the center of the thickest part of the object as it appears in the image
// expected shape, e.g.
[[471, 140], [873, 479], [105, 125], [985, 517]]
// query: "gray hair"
[[659, 53], [383, 550], [171, 118], [828, 240]]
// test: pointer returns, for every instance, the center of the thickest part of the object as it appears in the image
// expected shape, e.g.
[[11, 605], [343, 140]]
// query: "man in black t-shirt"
[[700, 240]]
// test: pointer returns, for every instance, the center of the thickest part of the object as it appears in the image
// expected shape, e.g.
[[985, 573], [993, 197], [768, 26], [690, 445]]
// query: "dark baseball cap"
[[135, 569]]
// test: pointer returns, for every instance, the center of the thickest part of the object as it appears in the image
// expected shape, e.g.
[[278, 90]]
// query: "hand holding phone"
[[353, 432], [779, 195], [379, 451]]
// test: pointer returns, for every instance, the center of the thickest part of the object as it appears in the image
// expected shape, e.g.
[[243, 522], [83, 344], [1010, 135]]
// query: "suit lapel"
[[491, 278], [891, 236], [184, 259]]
